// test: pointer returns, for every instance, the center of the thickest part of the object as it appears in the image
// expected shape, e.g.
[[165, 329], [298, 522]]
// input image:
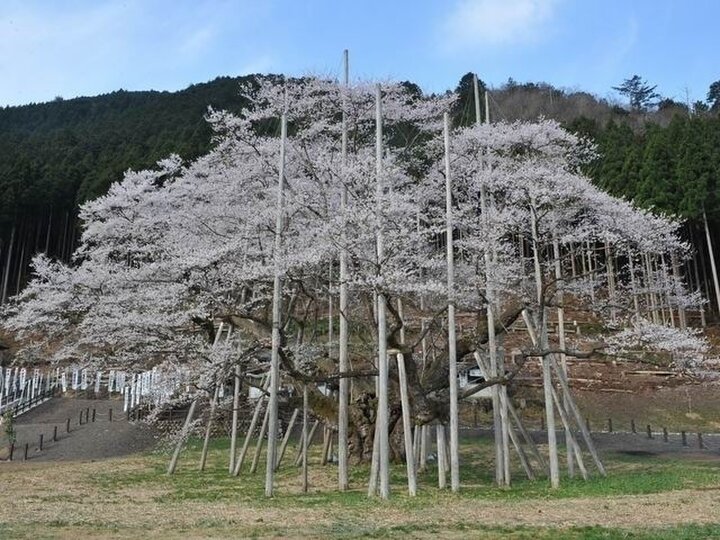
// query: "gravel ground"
[[89, 441], [103, 439], [634, 443]]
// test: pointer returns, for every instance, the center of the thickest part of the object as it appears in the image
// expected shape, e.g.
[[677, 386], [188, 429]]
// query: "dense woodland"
[[54, 156]]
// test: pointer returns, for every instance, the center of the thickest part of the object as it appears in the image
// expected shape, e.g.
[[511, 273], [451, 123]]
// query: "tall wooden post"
[[208, 428], [452, 339], [498, 425], [407, 427], [236, 406], [305, 441], [258, 446], [569, 440], [343, 364], [251, 428], [441, 458], [543, 342], [286, 438], [382, 414], [181, 440], [276, 322]]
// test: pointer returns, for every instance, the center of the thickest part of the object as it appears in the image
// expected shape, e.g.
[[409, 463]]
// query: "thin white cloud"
[[472, 24]]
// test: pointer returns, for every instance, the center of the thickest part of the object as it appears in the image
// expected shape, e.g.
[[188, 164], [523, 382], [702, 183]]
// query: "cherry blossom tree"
[[171, 252]]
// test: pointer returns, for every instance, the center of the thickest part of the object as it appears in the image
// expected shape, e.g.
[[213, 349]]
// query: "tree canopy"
[[639, 93]]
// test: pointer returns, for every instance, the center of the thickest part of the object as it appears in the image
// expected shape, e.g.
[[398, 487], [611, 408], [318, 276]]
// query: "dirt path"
[[92, 440]]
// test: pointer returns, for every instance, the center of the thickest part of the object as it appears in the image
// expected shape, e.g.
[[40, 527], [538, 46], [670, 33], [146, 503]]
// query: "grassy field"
[[132, 498]]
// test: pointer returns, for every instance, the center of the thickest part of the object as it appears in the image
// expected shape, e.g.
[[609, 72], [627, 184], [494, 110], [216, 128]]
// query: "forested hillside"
[[56, 155]]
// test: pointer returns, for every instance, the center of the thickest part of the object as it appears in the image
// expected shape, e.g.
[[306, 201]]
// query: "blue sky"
[[86, 47]]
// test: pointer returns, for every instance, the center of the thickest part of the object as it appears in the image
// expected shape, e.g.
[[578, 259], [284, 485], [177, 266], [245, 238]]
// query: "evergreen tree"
[[640, 94], [658, 185]]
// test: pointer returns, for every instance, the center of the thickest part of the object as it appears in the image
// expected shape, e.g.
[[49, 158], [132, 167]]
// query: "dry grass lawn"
[[133, 498]]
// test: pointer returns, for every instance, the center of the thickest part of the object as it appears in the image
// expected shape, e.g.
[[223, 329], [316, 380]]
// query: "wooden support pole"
[[383, 399], [407, 427], [286, 438], [452, 339], [310, 437], [441, 458], [259, 444], [183, 435], [374, 463], [505, 429], [272, 410], [424, 440], [235, 413], [550, 418], [251, 430], [528, 438], [539, 337], [305, 440], [327, 435], [416, 445], [208, 428], [517, 444], [572, 406], [569, 440], [343, 364], [573, 446], [499, 429]]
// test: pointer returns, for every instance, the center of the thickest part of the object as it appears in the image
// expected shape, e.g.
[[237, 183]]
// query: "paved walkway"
[[89, 441]]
